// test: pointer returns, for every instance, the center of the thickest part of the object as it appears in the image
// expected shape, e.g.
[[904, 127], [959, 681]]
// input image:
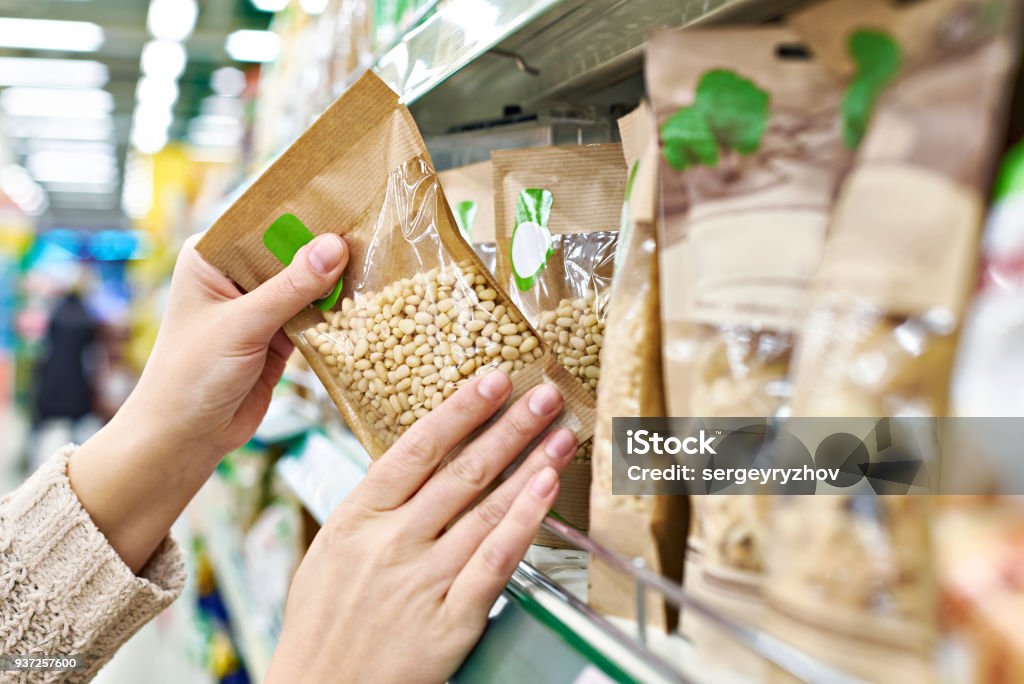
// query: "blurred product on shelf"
[[650, 528], [557, 215], [751, 158], [470, 193], [401, 236], [889, 298]]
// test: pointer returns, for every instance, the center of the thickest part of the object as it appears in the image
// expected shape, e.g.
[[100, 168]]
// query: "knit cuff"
[[75, 594]]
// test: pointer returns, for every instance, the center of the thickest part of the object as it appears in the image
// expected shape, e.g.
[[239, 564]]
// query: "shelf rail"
[[797, 663]]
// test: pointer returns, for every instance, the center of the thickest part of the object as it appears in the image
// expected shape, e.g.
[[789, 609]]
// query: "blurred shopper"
[[63, 391]]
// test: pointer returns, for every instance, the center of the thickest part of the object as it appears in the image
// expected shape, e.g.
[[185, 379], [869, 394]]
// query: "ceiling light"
[[56, 167], [84, 103], [90, 186], [137, 191], [253, 46], [52, 73], [59, 128], [47, 34], [313, 6], [158, 92], [152, 116], [172, 19], [17, 184], [71, 147], [270, 5], [149, 140], [228, 82], [163, 59]]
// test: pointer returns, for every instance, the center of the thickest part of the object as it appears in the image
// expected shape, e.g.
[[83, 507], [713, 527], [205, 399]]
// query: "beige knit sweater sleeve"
[[63, 588]]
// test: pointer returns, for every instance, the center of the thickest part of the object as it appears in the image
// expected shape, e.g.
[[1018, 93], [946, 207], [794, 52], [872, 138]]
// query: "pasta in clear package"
[[416, 314]]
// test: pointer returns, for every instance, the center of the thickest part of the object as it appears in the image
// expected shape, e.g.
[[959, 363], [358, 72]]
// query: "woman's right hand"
[[388, 592]]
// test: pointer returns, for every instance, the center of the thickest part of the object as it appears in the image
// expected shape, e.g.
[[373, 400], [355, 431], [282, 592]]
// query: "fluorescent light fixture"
[[17, 184], [152, 117], [84, 103], [253, 46], [172, 19], [52, 73], [313, 7], [59, 128], [163, 59], [149, 140], [157, 92], [56, 167], [228, 82], [77, 147], [94, 187], [137, 192], [48, 34], [222, 106], [270, 5]]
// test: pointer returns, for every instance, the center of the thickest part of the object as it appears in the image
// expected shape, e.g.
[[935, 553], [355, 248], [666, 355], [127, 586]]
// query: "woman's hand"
[[204, 390], [219, 354], [388, 592]]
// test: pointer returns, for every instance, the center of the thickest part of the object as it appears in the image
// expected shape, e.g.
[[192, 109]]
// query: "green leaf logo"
[[531, 240], [729, 112], [465, 214], [878, 59]]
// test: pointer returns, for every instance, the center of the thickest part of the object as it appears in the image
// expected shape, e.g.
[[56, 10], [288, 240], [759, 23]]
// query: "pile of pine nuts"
[[401, 351], [575, 330]]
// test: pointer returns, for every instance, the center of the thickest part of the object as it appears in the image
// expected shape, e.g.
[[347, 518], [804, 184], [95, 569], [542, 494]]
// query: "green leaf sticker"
[[877, 58], [531, 240], [284, 238], [729, 112], [465, 214], [625, 224]]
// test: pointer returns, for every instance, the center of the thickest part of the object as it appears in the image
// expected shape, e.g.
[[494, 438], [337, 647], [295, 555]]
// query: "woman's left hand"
[[205, 389]]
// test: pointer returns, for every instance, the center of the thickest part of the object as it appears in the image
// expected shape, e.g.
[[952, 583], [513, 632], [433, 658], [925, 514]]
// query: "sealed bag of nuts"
[[853, 577], [416, 313], [470, 193], [652, 528], [751, 152], [557, 215]]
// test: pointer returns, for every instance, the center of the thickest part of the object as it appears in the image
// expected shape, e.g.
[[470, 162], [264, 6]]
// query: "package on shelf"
[[557, 214], [470, 193], [853, 577], [751, 156], [418, 314], [652, 528]]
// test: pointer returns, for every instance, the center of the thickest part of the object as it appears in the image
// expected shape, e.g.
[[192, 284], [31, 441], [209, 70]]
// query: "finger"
[[311, 274], [204, 279], [477, 587], [464, 478], [459, 543], [403, 469]]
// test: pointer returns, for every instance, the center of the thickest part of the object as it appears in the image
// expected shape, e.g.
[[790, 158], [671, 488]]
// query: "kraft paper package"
[[652, 528], [557, 216], [853, 577], [416, 314], [751, 152], [470, 192]]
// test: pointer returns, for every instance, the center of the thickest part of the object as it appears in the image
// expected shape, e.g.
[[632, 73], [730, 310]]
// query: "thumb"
[[313, 272]]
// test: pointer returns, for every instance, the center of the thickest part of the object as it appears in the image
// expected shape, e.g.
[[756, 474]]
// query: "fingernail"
[[544, 400], [325, 253], [543, 483], [560, 444], [493, 385]]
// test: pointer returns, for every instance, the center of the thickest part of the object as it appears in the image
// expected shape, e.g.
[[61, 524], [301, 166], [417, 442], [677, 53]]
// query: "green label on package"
[[284, 238], [531, 240], [465, 214]]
